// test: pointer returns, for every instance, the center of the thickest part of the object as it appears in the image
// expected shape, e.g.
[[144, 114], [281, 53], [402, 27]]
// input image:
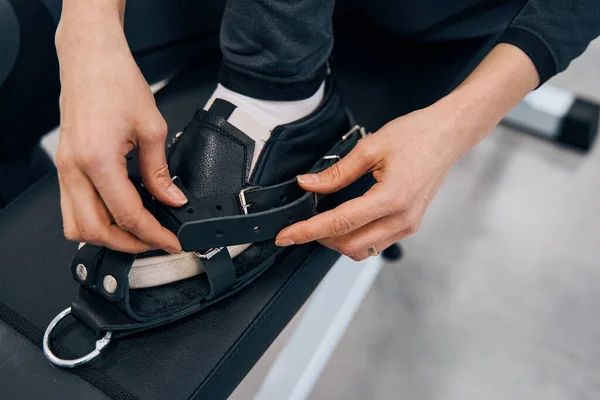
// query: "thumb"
[[153, 166], [341, 174]]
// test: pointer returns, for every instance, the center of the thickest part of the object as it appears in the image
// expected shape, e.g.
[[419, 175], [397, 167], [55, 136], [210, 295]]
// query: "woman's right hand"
[[107, 109]]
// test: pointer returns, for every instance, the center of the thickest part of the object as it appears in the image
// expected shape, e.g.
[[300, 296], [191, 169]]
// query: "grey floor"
[[498, 296]]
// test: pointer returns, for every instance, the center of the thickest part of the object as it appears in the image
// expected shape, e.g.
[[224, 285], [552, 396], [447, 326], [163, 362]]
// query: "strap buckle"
[[242, 198], [208, 254], [356, 128]]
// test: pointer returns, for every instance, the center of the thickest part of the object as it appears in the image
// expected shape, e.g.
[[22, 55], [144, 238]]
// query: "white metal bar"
[[328, 314], [542, 111]]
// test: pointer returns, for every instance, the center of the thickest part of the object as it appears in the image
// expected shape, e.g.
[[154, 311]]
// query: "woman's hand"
[[409, 158], [107, 109]]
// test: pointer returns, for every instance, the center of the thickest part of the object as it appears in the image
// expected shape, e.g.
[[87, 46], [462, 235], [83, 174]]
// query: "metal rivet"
[[81, 272], [110, 283], [80, 245]]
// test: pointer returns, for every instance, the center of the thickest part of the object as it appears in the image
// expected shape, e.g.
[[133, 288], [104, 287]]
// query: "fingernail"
[[284, 242], [310, 178], [176, 194], [171, 250]]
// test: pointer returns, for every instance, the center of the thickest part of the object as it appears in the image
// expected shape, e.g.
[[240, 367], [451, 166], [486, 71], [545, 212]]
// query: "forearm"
[[502, 79], [89, 22]]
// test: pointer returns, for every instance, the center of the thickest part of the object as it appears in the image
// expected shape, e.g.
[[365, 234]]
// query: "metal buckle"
[[355, 128], [59, 362], [208, 254], [332, 157], [242, 197]]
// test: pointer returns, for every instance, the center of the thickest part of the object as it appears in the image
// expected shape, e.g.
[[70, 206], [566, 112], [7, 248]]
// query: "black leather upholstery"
[[206, 355]]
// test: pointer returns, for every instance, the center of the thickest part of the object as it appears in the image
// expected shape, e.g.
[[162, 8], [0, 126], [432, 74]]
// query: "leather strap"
[[238, 228], [220, 271]]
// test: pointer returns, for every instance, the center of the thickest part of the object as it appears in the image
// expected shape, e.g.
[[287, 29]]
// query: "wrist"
[[476, 106], [88, 23]]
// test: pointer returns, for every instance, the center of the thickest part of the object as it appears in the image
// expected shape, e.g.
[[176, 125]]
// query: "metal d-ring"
[[59, 362]]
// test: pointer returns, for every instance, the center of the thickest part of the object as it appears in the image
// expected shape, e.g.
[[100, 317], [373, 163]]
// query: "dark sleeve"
[[554, 32]]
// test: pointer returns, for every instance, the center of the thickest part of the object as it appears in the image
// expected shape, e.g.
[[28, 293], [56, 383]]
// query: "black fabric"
[[276, 49], [268, 53], [273, 88], [564, 28], [535, 48]]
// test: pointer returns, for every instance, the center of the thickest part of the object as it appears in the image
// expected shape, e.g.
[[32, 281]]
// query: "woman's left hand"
[[409, 157]]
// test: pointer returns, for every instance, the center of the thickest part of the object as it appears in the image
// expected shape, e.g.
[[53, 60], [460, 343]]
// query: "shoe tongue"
[[213, 155]]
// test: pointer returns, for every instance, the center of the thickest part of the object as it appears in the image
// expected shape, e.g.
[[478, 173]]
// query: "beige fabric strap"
[[160, 270]]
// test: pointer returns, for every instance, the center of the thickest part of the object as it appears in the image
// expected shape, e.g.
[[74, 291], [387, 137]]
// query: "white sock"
[[257, 119]]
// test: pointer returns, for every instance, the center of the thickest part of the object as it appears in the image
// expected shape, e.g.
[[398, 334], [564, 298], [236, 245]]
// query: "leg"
[[276, 50]]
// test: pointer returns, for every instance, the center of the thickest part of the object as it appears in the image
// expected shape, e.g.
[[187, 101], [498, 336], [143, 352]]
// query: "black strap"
[[253, 215], [239, 229], [86, 262], [220, 271]]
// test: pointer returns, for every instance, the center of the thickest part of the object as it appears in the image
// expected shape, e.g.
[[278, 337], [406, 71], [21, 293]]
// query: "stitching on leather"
[[257, 323]]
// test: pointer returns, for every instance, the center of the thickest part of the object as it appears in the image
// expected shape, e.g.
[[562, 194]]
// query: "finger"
[[70, 228], [380, 233], [93, 222], [153, 165], [341, 220], [380, 246], [362, 159], [126, 207]]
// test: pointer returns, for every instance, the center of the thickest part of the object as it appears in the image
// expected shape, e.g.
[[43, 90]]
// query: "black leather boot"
[[121, 294]]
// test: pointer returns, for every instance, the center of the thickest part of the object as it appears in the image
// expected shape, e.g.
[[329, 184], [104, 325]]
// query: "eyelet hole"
[[219, 234], [129, 157], [219, 207], [290, 219], [283, 198], [190, 210]]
